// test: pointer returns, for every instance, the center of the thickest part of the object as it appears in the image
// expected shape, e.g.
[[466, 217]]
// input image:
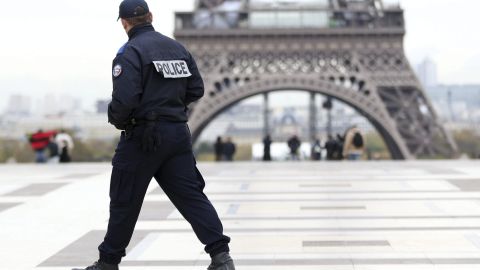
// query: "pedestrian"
[[39, 142], [218, 148], [229, 149], [267, 142], [154, 80], [340, 141], [354, 144], [65, 153], [294, 144], [54, 155], [331, 146], [317, 150], [65, 145]]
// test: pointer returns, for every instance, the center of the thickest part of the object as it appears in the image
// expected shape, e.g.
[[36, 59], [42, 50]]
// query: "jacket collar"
[[140, 29]]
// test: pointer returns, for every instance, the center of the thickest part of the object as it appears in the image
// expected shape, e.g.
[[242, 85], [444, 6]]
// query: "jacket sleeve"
[[127, 88], [195, 87]]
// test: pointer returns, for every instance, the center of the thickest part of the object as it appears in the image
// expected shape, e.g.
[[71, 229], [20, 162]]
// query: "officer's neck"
[[142, 28]]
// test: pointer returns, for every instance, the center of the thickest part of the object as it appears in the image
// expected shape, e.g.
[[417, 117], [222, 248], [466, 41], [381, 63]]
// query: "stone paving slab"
[[338, 216], [35, 189]]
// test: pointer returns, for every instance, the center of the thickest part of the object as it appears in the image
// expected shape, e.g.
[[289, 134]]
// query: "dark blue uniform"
[[153, 73]]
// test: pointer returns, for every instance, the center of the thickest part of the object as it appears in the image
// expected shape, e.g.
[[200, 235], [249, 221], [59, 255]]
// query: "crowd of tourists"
[[349, 146], [224, 150], [51, 146]]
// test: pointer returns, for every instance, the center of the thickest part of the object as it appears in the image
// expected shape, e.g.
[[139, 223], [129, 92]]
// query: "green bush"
[[84, 151], [468, 142], [14, 150], [376, 147], [204, 152], [93, 150]]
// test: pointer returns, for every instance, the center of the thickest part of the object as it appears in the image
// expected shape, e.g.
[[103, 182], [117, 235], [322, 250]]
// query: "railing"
[[268, 19]]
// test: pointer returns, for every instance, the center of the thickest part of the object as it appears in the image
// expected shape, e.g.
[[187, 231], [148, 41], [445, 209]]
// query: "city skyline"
[[70, 52], [48, 103]]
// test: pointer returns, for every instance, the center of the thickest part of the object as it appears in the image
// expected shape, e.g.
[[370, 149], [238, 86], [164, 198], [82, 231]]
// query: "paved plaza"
[[368, 215]]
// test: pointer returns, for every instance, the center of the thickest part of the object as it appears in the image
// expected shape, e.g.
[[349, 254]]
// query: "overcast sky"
[[64, 46]]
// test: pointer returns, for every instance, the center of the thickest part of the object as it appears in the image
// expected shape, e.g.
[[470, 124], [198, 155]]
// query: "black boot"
[[222, 261], [100, 266]]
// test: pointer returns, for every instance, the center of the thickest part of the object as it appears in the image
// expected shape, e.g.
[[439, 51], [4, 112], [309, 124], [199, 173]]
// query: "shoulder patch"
[[173, 68], [122, 49], [117, 70]]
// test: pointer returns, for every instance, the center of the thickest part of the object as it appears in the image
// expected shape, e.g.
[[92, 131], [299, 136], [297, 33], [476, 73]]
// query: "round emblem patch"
[[117, 70]]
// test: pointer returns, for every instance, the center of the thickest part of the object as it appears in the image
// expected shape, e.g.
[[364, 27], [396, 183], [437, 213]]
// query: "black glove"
[[151, 140]]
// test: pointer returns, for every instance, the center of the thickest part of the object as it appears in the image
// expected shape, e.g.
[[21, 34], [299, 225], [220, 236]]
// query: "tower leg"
[[312, 118], [266, 115]]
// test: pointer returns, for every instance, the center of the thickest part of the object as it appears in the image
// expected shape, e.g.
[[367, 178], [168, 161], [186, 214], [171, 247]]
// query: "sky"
[[66, 47]]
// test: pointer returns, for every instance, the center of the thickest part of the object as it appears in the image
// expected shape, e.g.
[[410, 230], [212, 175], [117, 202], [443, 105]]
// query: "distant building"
[[102, 106], [57, 105], [19, 105], [70, 105], [427, 73], [457, 103]]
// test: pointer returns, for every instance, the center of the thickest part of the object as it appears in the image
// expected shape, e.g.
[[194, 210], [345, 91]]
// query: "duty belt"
[[150, 119]]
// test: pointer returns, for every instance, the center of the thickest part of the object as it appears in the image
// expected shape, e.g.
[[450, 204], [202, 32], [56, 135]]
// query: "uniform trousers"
[[174, 168]]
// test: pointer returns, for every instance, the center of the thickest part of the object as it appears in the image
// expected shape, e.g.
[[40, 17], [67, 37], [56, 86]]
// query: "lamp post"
[[328, 105]]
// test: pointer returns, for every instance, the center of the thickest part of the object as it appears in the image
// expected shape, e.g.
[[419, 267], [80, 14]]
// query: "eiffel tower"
[[351, 51]]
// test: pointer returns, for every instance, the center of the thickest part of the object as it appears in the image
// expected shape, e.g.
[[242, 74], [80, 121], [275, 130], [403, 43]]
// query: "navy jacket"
[[152, 72]]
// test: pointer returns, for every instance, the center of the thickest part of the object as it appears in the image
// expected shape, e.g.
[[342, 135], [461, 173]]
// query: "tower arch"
[[219, 101]]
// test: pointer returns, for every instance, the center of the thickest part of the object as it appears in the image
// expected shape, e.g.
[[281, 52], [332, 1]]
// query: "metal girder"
[[367, 70]]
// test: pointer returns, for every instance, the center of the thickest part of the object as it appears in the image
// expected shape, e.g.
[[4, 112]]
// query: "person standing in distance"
[[267, 143], [154, 80], [218, 149]]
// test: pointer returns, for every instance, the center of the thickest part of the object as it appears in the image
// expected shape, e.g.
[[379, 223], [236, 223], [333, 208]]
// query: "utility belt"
[[150, 140], [135, 122], [149, 118]]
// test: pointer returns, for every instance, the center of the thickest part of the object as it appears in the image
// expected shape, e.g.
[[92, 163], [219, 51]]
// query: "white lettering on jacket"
[[173, 68]]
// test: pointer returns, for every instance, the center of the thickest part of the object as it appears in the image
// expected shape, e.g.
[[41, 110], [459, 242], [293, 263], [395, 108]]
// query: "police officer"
[[154, 80]]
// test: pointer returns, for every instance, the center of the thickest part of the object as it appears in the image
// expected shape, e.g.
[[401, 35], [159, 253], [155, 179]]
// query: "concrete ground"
[[367, 215]]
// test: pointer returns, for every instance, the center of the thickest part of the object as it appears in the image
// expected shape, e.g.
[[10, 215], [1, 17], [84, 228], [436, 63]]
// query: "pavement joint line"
[[254, 179], [312, 262], [346, 243], [233, 209], [36, 189], [341, 217], [78, 175], [141, 247], [434, 207], [313, 208], [8, 205], [341, 192], [323, 185], [244, 187], [330, 229], [341, 200], [473, 238]]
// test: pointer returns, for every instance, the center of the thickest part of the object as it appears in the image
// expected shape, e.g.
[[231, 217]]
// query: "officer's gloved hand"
[[150, 140]]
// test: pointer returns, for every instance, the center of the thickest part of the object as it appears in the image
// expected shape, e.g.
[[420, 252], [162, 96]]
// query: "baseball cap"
[[132, 8]]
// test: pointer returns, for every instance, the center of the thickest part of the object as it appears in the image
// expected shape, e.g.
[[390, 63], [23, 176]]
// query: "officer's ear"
[[126, 25]]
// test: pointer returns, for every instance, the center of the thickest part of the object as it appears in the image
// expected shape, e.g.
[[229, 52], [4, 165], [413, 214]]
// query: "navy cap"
[[133, 8]]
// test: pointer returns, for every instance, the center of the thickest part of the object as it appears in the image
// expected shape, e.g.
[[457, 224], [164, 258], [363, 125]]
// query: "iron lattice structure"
[[349, 50]]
